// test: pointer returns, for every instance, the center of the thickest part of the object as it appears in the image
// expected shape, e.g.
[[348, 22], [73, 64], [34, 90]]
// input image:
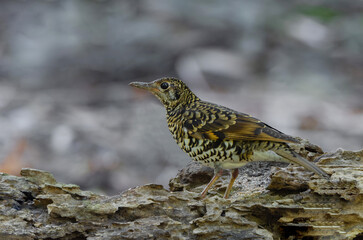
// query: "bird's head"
[[171, 92]]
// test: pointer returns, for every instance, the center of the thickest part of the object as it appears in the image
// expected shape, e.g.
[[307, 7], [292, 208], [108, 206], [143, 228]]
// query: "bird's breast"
[[209, 152]]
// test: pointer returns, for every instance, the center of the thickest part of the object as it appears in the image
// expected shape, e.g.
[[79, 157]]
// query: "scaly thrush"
[[217, 136]]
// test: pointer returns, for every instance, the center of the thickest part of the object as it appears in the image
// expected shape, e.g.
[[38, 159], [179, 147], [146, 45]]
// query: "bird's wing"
[[214, 122]]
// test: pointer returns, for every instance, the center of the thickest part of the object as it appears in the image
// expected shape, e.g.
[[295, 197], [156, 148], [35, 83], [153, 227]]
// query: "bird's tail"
[[292, 156]]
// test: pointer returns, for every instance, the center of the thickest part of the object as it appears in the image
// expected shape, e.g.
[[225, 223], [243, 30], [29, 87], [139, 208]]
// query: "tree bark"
[[265, 203]]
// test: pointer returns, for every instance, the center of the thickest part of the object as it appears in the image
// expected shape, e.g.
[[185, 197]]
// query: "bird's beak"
[[143, 85]]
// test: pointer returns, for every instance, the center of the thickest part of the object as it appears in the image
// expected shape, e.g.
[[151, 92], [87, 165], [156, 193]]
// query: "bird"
[[219, 137]]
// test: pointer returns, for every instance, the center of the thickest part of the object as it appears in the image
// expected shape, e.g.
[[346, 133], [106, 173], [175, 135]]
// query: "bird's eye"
[[164, 85]]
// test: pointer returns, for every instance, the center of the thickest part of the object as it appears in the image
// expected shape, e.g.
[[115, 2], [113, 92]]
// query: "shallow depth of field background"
[[65, 103]]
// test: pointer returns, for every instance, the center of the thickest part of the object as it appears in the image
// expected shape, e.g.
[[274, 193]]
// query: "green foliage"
[[321, 13]]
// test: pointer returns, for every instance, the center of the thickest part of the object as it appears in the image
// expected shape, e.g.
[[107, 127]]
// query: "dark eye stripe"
[[164, 85]]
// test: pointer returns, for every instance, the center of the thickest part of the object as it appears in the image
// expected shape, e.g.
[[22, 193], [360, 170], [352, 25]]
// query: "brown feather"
[[221, 122]]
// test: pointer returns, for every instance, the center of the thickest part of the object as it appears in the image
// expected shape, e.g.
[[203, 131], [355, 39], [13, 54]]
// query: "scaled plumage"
[[217, 136]]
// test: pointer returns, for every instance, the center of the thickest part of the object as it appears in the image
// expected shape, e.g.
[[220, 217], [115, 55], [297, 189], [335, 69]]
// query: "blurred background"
[[65, 103]]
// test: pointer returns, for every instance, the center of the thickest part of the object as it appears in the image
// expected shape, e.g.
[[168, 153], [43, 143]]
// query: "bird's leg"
[[233, 178], [217, 174]]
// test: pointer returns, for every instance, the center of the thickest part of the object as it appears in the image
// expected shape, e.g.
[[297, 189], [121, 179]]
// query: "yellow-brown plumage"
[[217, 136]]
